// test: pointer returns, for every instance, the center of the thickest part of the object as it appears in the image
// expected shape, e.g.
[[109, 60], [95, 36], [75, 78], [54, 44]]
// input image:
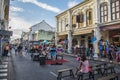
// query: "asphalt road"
[[26, 69]]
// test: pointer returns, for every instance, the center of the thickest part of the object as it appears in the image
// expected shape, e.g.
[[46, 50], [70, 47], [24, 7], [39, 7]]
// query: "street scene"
[[44, 40]]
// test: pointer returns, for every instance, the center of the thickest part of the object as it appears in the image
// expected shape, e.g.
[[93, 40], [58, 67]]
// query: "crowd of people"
[[106, 50], [49, 50]]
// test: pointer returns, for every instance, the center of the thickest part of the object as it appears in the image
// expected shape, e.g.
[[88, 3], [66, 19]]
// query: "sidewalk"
[[96, 59], [6, 68]]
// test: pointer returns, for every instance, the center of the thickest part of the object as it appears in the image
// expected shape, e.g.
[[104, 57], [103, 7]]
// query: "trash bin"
[[42, 60]]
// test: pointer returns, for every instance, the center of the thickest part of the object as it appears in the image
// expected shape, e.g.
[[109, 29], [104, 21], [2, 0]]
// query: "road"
[[26, 69]]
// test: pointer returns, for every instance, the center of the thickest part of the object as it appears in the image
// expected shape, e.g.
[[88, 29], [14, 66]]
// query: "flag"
[[93, 40]]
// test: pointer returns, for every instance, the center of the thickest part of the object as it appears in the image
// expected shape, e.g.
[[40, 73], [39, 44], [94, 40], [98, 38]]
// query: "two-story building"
[[89, 19], [41, 31]]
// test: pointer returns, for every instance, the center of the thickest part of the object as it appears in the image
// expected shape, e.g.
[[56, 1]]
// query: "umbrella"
[[45, 41]]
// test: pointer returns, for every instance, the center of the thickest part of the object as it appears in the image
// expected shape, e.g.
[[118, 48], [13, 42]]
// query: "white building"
[[38, 27]]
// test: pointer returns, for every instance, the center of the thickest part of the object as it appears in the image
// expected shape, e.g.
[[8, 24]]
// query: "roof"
[[44, 26]]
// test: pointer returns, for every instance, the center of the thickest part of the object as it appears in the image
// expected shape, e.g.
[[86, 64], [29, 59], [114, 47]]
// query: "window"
[[115, 9], [74, 17], [89, 17], [104, 12], [80, 19]]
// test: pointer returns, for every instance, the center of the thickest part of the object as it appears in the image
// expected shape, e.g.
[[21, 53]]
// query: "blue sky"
[[25, 13]]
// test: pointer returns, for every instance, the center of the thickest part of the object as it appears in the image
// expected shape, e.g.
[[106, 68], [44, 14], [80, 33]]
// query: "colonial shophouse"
[[91, 18]]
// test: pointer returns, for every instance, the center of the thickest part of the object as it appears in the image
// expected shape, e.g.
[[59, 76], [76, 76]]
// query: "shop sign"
[[6, 33]]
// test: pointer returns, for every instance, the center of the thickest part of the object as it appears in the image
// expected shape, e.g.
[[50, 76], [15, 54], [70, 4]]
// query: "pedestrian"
[[15, 47], [84, 65], [53, 52], [6, 50], [20, 50], [110, 56]]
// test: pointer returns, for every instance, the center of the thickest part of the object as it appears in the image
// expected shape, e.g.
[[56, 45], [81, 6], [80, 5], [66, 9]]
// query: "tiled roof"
[[44, 26]]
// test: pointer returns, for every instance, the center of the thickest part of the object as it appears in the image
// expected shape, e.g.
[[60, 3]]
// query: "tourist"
[[53, 52], [84, 65]]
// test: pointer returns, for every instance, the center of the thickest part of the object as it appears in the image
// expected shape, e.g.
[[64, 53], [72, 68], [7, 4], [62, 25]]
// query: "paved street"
[[26, 69]]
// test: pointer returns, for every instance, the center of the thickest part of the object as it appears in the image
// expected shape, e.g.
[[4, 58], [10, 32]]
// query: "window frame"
[[115, 7], [103, 12], [89, 18]]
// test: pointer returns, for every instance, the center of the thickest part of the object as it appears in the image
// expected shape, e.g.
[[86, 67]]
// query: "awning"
[[110, 27]]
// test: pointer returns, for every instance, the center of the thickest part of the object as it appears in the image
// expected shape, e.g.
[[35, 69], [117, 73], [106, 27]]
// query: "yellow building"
[[86, 20]]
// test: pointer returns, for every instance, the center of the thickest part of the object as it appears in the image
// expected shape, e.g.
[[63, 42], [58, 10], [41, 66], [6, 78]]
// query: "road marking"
[[3, 66], [4, 62], [54, 74], [3, 74], [3, 70], [3, 79]]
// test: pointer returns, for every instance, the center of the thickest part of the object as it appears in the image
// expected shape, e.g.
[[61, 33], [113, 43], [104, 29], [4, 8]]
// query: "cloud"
[[72, 3], [16, 9], [17, 22], [42, 5]]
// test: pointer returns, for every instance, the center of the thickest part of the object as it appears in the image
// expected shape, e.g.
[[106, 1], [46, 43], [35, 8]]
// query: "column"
[[56, 31], [95, 44], [85, 18], [109, 12], [56, 38], [69, 42], [79, 42], [86, 42], [70, 32], [97, 11]]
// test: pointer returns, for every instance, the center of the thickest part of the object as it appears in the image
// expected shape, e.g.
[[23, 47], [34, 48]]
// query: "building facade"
[[89, 19], [4, 14], [41, 31]]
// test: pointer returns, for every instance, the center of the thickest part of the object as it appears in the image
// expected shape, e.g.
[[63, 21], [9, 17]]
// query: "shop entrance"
[[114, 36]]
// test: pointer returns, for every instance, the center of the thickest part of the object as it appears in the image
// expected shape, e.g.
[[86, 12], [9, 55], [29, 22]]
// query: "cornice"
[[76, 6]]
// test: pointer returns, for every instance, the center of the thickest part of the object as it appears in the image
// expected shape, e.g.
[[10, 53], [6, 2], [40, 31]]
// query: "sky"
[[25, 13]]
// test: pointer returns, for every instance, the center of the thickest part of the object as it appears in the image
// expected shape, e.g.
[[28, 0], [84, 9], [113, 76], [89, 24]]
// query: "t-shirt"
[[85, 66]]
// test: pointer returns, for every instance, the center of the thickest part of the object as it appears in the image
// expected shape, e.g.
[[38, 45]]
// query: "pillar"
[[70, 32], [86, 42], [79, 42], [85, 18], [95, 44], [109, 12]]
